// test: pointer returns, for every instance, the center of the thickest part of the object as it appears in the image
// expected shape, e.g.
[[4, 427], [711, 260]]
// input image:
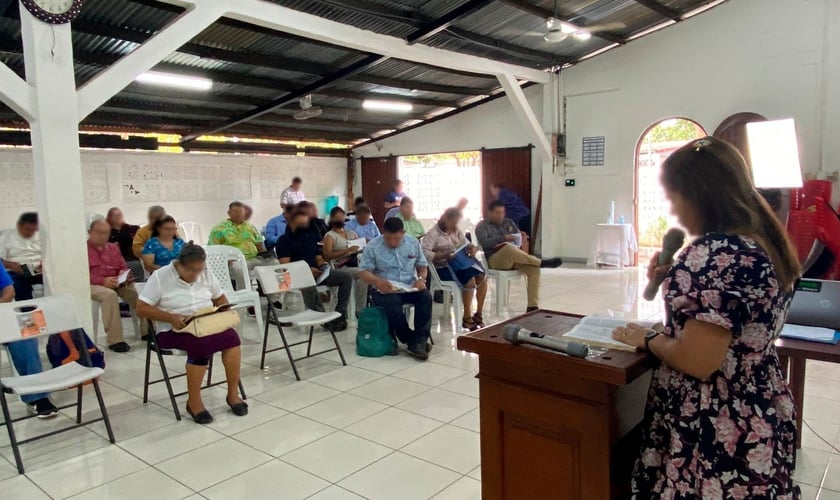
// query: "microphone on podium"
[[671, 244], [516, 335]]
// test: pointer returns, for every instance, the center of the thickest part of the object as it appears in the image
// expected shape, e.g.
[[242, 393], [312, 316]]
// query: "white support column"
[[526, 115], [48, 53], [14, 92], [107, 84]]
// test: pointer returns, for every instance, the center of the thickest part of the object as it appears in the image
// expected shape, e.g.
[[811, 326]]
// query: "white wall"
[[779, 58], [266, 176]]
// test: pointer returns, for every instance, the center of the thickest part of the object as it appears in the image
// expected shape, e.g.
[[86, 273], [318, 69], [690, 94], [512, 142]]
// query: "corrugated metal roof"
[[252, 66]]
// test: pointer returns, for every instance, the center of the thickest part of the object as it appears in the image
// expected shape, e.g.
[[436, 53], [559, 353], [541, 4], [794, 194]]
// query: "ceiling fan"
[[307, 110], [556, 30]]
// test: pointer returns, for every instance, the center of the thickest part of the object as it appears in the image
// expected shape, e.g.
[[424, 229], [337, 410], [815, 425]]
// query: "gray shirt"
[[491, 235]]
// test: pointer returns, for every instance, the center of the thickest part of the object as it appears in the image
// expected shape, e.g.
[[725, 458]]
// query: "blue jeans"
[[27, 362]]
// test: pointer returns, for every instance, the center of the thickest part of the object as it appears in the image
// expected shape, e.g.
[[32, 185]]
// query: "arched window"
[[653, 212]]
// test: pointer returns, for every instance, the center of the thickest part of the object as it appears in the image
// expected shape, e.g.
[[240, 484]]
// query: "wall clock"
[[54, 11]]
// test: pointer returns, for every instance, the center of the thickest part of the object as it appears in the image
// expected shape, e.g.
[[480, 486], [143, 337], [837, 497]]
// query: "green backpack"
[[373, 338]]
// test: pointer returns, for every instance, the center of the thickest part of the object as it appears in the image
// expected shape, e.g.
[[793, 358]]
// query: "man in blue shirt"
[[25, 356], [391, 265], [363, 225], [276, 227], [514, 207], [394, 197]]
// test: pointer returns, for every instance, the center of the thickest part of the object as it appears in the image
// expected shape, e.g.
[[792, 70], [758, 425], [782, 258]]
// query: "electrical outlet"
[[570, 183]]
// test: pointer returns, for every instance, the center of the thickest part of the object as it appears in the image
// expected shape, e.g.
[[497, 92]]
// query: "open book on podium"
[[597, 331]]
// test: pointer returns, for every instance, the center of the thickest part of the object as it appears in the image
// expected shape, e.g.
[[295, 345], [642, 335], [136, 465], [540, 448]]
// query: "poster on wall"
[[593, 151]]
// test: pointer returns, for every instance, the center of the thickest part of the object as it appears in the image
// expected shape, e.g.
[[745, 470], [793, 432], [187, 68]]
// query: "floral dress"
[[163, 255], [731, 436]]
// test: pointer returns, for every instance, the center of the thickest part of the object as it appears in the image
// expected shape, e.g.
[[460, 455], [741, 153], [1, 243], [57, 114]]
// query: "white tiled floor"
[[386, 428]]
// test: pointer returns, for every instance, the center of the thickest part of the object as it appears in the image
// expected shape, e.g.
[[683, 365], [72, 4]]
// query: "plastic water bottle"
[[621, 220]]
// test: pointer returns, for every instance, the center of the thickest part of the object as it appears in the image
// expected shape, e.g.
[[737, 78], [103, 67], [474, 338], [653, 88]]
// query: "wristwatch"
[[650, 335]]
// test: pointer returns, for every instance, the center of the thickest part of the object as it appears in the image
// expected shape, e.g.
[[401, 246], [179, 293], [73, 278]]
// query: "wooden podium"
[[553, 426]]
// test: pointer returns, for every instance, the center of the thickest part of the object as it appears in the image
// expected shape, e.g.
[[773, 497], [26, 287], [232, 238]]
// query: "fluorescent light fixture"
[[702, 9], [171, 80], [599, 51], [397, 107], [774, 154], [568, 28], [582, 35]]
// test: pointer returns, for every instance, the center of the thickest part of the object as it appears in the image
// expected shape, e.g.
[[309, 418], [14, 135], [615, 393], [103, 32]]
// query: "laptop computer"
[[816, 303]]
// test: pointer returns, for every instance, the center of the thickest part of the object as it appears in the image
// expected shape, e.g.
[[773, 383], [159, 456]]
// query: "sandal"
[[469, 324], [239, 409], [203, 417], [478, 319]]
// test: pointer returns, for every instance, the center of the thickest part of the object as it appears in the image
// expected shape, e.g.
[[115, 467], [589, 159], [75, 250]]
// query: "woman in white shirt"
[[172, 294], [344, 255]]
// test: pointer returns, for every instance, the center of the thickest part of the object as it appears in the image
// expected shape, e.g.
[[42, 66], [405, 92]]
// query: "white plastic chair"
[[95, 309], [59, 315], [503, 280], [191, 231], [451, 292], [301, 277], [219, 259]]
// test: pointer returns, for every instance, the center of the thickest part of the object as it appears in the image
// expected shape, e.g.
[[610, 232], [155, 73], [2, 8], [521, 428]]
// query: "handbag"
[[205, 325]]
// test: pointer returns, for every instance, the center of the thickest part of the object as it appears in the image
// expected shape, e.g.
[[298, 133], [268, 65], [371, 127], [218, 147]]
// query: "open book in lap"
[[597, 331], [402, 287]]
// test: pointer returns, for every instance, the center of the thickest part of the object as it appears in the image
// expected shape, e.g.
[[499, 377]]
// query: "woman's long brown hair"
[[713, 177]]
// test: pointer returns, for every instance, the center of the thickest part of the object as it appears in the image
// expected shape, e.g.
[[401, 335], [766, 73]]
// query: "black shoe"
[[44, 408], [120, 347], [125, 311], [240, 409], [531, 309], [439, 296], [429, 347], [203, 417], [418, 351], [556, 262], [337, 325]]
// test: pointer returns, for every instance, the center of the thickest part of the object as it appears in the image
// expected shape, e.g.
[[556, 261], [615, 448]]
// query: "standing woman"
[[720, 420], [164, 246], [439, 246]]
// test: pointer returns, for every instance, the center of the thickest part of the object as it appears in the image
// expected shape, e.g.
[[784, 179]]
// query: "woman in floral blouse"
[[720, 420]]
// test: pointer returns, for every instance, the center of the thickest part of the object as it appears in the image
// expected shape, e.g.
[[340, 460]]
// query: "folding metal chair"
[[152, 346], [37, 318], [300, 275]]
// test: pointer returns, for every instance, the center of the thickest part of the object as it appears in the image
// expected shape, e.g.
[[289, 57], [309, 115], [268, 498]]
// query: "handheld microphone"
[[516, 335], [671, 244]]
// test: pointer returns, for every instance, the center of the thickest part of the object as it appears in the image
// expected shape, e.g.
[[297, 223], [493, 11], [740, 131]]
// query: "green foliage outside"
[[673, 131], [652, 235], [461, 159]]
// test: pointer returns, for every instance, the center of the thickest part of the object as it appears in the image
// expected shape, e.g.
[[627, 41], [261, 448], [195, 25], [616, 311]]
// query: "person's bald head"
[[99, 233]]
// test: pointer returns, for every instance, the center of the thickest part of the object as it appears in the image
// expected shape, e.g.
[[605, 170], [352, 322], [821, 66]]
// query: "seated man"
[[316, 223], [27, 361], [363, 224], [106, 265], [396, 258], [413, 227], [123, 235], [276, 227], [144, 234], [299, 243], [498, 236], [359, 201], [515, 208], [20, 251], [238, 233]]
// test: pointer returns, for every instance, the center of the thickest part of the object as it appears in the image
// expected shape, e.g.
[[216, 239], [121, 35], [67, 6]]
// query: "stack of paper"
[[811, 333]]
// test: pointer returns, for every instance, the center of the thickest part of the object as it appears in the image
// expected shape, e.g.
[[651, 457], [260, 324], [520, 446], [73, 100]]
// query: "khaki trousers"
[[109, 303], [509, 257]]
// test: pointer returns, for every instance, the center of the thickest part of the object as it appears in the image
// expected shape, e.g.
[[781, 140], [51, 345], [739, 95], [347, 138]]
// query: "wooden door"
[[510, 167], [378, 177]]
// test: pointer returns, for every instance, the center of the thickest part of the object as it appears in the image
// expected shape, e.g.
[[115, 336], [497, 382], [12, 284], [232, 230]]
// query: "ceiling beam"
[[661, 9], [541, 12], [268, 61], [434, 27], [263, 148]]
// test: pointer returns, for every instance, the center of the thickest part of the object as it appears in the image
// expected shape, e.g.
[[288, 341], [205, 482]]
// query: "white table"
[[614, 245]]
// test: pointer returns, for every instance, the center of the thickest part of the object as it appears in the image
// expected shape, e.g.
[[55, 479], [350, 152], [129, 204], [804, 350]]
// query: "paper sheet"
[[123, 277], [811, 333]]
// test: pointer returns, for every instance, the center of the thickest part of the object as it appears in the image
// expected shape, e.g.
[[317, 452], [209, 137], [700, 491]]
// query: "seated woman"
[[342, 255], [164, 246], [439, 245], [172, 294]]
